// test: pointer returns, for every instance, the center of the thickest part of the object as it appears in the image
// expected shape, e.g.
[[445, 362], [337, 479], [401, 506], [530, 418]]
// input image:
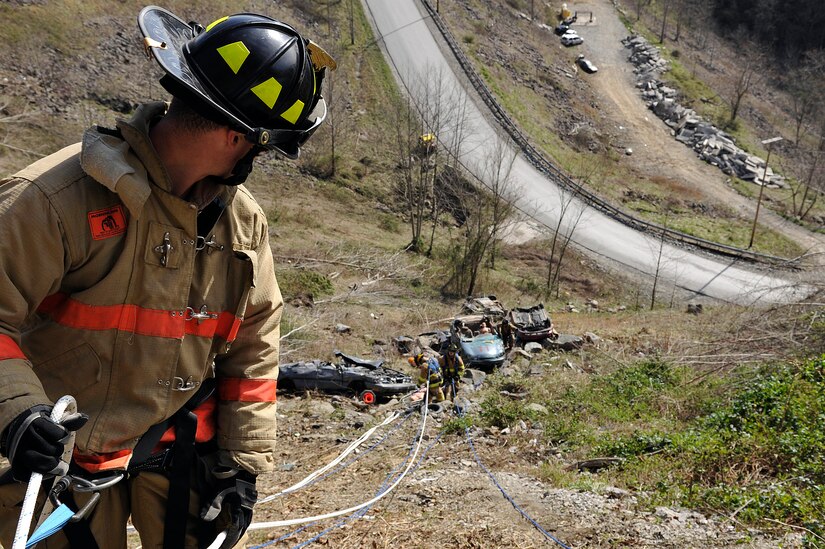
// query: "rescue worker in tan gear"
[[137, 276], [452, 370], [429, 373], [507, 334]]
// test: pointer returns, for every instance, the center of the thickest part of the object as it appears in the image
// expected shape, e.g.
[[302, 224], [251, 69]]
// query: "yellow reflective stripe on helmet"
[[268, 91], [234, 54], [213, 23], [292, 113]]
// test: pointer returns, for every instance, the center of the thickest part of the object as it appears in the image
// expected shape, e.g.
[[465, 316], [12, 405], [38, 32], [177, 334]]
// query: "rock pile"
[[711, 144]]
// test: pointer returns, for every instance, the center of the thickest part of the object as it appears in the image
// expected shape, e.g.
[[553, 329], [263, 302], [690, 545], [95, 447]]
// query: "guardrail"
[[538, 160]]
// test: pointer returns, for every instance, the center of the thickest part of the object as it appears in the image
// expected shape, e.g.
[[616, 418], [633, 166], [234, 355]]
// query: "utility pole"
[[768, 143]]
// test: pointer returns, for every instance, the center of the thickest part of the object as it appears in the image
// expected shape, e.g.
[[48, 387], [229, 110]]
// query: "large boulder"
[[564, 342]]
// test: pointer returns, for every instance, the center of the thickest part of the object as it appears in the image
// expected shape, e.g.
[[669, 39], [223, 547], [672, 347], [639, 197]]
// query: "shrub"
[[296, 282]]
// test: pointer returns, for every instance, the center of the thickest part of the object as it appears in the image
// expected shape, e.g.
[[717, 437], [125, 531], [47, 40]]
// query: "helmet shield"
[[252, 73]]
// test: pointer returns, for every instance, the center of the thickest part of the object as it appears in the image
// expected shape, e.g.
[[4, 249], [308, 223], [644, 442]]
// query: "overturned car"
[[370, 380], [532, 323]]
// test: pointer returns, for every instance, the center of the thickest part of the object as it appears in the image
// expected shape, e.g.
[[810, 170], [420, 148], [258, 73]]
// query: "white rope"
[[21, 535], [312, 476], [303, 520], [348, 450]]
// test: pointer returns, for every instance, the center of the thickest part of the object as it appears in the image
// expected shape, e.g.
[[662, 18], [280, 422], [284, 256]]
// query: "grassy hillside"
[[715, 411]]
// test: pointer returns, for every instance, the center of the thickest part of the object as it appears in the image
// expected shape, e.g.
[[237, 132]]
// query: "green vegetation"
[[297, 282], [750, 444]]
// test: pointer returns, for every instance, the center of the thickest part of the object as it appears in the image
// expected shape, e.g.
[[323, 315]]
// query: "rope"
[[290, 522], [507, 496], [318, 475], [381, 489], [360, 513], [65, 404]]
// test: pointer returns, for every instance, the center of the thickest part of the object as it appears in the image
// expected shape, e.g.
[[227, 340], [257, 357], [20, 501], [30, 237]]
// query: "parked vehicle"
[[571, 38], [586, 65], [369, 379], [561, 29], [532, 323]]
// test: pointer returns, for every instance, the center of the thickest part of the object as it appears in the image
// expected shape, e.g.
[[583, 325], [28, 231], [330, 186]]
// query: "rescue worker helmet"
[[252, 73]]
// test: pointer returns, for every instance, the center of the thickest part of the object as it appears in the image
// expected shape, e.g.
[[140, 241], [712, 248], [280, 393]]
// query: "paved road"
[[415, 54]]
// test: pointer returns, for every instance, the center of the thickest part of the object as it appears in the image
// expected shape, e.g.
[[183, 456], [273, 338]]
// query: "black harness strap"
[[177, 502]]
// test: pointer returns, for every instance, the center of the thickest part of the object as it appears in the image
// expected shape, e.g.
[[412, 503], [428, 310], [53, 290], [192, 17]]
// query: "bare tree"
[[640, 6], [487, 211], [804, 85], [751, 72], [568, 218], [414, 184], [351, 17], [429, 128], [808, 165], [665, 8]]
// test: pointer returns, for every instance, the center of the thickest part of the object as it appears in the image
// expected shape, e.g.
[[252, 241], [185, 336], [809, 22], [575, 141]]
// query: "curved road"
[[414, 54]]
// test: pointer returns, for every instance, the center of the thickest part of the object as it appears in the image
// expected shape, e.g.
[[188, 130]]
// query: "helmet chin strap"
[[243, 168]]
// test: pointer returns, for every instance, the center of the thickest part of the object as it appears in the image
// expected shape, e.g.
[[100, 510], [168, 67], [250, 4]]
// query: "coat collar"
[[130, 165]]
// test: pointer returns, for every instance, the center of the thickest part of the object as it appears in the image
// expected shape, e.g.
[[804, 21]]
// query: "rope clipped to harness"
[[64, 407]]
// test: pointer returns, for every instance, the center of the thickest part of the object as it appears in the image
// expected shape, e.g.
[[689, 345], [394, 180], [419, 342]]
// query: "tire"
[[368, 397]]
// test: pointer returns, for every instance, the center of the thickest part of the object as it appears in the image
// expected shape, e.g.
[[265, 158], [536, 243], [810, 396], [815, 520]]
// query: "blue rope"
[[507, 496]]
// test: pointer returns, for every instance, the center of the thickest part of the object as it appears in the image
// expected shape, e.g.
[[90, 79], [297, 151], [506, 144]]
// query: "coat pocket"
[[70, 372]]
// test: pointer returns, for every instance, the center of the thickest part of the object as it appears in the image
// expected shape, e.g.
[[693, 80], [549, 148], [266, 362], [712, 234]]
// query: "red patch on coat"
[[107, 222]]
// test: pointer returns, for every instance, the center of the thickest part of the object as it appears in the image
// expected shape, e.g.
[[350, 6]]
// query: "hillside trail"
[[656, 154]]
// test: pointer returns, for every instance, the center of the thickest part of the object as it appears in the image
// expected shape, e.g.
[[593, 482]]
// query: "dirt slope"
[[449, 500]]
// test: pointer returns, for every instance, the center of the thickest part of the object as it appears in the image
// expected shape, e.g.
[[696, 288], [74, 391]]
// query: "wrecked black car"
[[532, 323], [370, 380]]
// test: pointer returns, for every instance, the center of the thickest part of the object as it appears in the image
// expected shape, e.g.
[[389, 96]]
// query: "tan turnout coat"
[[106, 296]]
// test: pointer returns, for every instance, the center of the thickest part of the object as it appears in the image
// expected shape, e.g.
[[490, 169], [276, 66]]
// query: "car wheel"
[[368, 397]]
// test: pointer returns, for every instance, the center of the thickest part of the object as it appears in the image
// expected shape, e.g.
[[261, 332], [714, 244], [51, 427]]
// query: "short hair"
[[189, 119]]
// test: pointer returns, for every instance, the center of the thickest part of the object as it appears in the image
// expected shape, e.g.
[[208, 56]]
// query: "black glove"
[[233, 490], [34, 443]]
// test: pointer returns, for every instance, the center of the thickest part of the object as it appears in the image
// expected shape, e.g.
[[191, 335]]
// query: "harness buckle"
[[82, 485]]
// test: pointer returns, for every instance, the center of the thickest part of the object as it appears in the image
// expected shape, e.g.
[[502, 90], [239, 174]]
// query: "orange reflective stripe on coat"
[[247, 390], [9, 349], [131, 318], [206, 423], [103, 462]]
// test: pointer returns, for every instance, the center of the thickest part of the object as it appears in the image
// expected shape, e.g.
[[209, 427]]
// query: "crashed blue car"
[[484, 351]]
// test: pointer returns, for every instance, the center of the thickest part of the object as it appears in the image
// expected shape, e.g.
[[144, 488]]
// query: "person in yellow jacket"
[[452, 369], [136, 275], [429, 373]]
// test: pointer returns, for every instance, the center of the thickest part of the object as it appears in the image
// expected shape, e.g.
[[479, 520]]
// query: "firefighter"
[[506, 331], [429, 373], [137, 275], [452, 369]]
